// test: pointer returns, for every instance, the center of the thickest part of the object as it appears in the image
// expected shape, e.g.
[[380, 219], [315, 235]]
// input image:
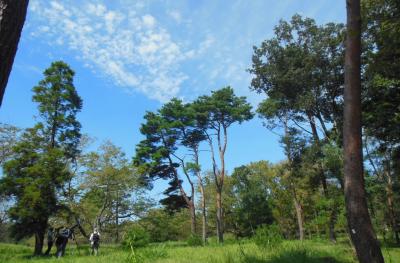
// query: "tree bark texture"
[[300, 218], [359, 222], [222, 149], [332, 222], [39, 240], [220, 231], [204, 214], [203, 196], [12, 18], [192, 218]]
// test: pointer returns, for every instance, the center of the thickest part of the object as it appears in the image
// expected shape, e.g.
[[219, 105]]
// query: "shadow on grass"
[[292, 257]]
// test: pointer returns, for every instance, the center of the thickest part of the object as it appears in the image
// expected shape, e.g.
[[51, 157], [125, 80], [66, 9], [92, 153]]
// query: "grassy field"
[[289, 251]]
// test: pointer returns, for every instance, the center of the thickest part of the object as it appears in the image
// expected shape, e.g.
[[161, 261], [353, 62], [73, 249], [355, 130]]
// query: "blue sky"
[[131, 56]]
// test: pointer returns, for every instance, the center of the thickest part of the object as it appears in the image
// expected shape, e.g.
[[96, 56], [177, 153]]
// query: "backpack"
[[65, 233], [96, 238]]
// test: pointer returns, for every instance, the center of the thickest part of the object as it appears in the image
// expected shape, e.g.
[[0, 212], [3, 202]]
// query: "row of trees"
[[175, 132], [302, 72], [51, 180]]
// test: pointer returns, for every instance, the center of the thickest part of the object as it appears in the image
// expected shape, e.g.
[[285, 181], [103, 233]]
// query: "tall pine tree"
[[39, 168]]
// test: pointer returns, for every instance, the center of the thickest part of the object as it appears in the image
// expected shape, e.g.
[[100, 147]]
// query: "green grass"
[[178, 252]]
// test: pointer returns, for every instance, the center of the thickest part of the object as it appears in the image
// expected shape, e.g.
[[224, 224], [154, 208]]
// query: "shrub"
[[268, 236], [194, 240], [136, 237]]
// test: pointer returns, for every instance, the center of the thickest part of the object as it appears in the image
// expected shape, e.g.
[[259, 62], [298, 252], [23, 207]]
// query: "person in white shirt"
[[95, 242]]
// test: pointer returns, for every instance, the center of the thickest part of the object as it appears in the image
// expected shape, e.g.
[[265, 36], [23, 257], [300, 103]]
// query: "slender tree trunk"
[[297, 205], [220, 213], [320, 119], [203, 211], [203, 195], [331, 223], [300, 217], [12, 18], [220, 231], [317, 142], [360, 227], [316, 225], [189, 200], [192, 218], [117, 219], [204, 218], [219, 180]]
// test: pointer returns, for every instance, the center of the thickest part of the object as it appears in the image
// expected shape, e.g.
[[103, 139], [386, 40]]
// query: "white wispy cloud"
[[175, 15], [132, 49], [164, 48]]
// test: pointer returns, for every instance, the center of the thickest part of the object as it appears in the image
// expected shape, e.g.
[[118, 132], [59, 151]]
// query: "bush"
[[268, 236], [194, 240], [136, 237]]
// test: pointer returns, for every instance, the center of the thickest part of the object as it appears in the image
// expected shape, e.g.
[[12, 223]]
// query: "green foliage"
[[222, 108], [39, 168], [110, 188], [194, 240], [251, 206], [58, 104], [381, 112], [381, 96], [300, 69], [170, 129], [268, 236], [9, 136], [136, 237], [32, 178], [163, 226]]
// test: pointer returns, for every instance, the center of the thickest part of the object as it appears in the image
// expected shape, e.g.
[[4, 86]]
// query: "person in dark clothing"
[[51, 234], [62, 239]]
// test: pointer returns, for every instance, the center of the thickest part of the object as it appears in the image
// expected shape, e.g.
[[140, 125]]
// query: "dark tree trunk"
[[39, 240], [12, 18], [332, 222], [220, 231], [359, 222]]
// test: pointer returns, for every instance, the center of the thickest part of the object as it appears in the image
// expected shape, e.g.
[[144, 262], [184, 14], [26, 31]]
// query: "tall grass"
[[179, 252]]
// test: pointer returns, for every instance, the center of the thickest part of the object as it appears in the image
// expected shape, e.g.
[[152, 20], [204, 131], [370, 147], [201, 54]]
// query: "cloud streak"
[[133, 50], [165, 49]]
